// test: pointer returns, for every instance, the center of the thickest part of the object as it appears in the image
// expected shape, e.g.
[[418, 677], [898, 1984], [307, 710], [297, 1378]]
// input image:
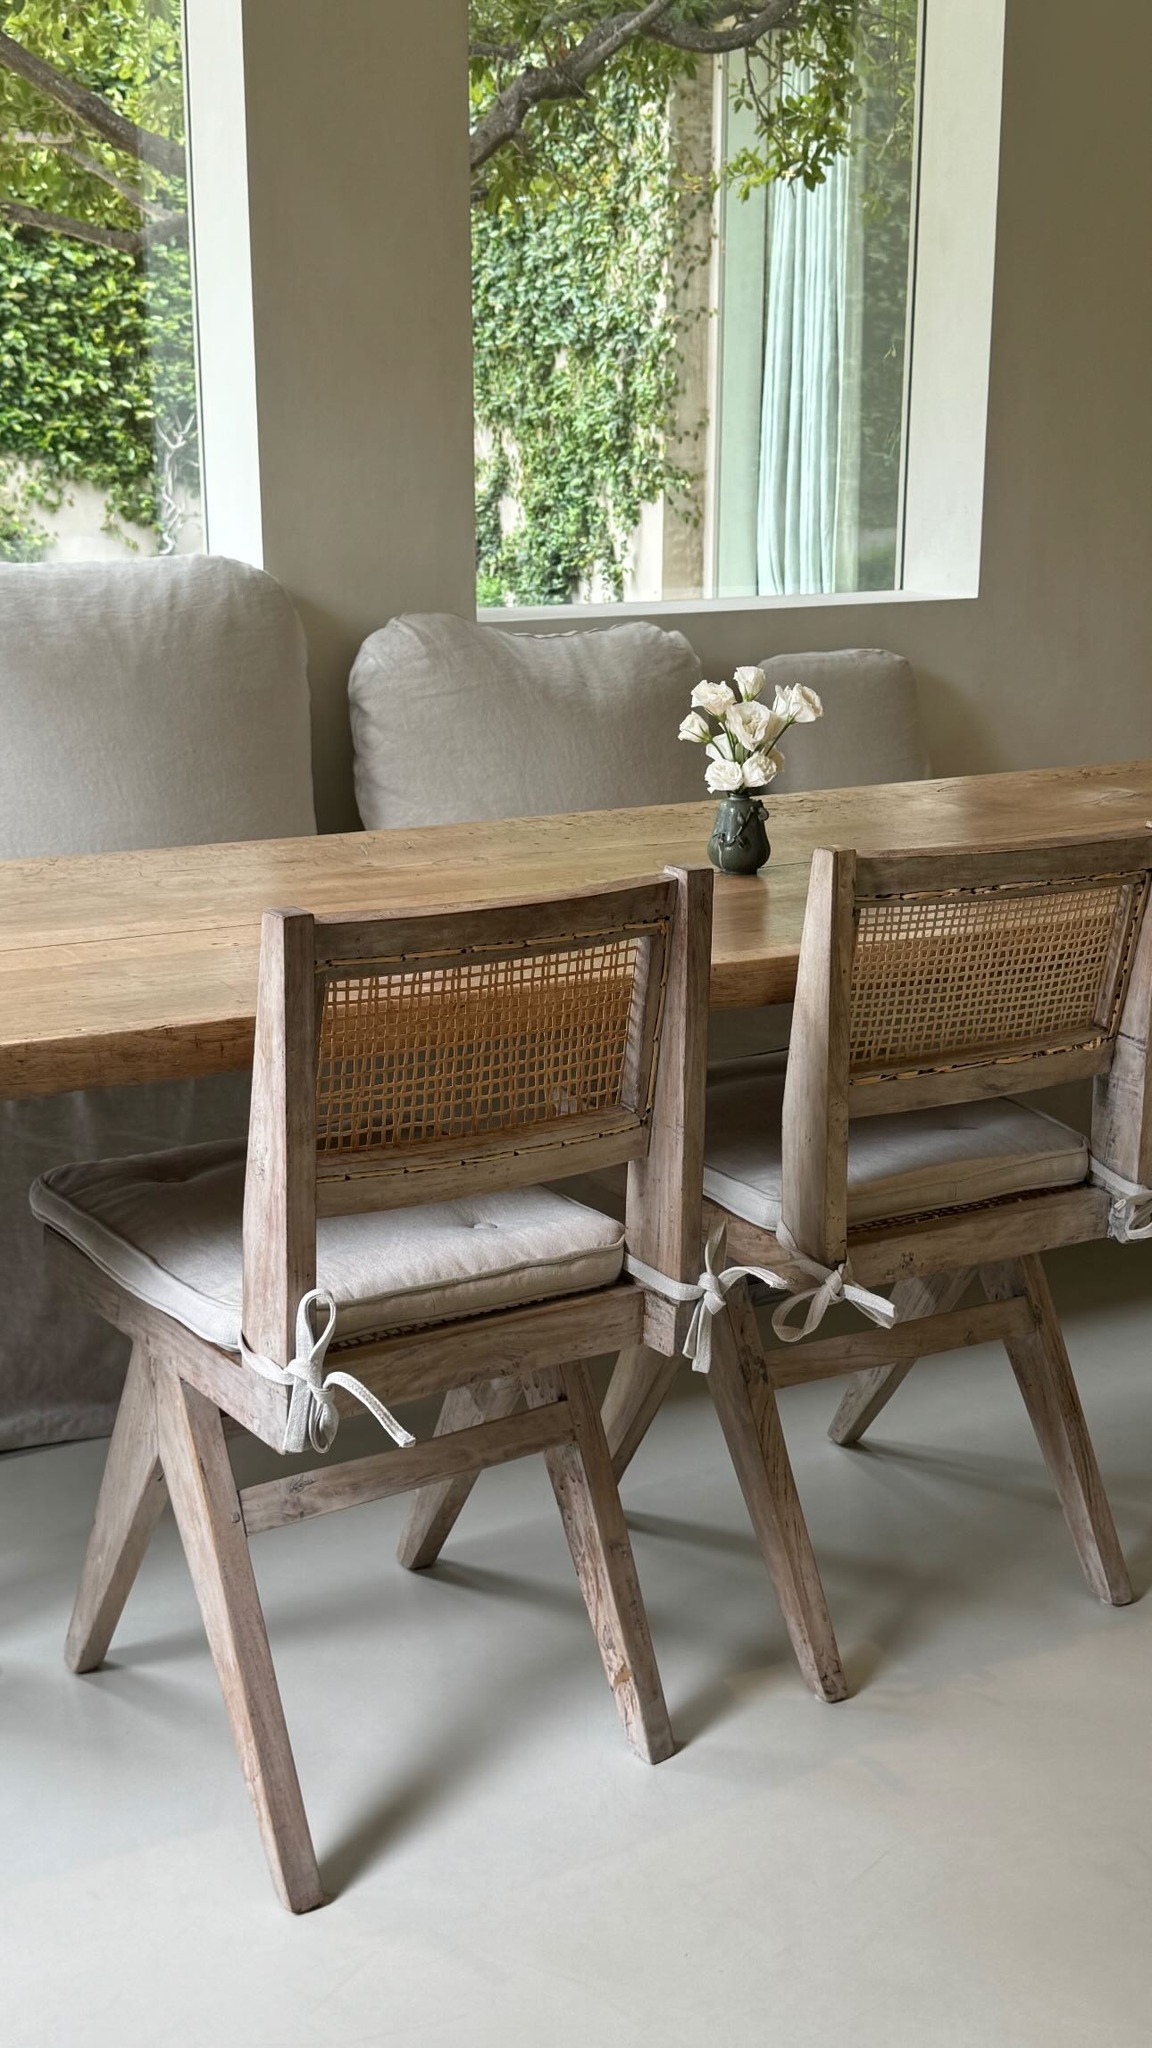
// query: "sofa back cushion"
[[870, 731], [150, 703], [453, 721]]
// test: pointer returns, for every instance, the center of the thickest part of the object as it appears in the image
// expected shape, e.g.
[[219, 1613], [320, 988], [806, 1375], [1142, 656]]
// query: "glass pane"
[[690, 291], [99, 446]]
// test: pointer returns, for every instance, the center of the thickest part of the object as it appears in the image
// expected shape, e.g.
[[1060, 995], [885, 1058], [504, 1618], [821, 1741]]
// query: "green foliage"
[[95, 358], [579, 269], [575, 353], [130, 52], [97, 380]]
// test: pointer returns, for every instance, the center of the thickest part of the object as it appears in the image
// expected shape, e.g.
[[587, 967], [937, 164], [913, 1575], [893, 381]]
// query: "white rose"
[[749, 681], [694, 727], [723, 775], [715, 698], [797, 704], [761, 769], [754, 725]]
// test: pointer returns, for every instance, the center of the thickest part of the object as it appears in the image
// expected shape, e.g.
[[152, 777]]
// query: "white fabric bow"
[[1130, 1211], [831, 1285], [313, 1416]]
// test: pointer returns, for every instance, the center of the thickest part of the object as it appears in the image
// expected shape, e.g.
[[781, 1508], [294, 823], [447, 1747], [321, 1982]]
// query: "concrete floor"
[[959, 1857]]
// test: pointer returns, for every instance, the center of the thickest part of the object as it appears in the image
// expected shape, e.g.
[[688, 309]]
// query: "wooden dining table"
[[142, 966]]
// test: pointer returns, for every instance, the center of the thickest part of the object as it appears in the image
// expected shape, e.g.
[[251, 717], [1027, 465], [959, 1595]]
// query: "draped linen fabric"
[[809, 489], [153, 703]]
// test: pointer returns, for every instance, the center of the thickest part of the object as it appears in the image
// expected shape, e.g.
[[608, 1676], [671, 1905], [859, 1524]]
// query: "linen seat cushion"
[[452, 721], [902, 1165], [167, 1227]]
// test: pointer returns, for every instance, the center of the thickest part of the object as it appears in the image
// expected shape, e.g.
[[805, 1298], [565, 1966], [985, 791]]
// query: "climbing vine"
[[96, 377], [575, 352]]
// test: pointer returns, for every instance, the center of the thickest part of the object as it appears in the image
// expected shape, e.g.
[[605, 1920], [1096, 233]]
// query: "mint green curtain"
[[808, 511]]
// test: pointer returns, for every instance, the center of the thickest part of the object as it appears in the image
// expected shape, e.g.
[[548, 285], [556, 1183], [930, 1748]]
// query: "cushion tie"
[[1130, 1211], [313, 1416], [831, 1285]]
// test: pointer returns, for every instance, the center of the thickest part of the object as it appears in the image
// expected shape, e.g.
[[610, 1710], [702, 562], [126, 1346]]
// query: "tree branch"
[[163, 227], [129, 240], [740, 35], [567, 77], [66, 145], [564, 80], [159, 152]]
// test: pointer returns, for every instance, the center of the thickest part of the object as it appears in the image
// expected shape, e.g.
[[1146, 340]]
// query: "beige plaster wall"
[[1052, 661]]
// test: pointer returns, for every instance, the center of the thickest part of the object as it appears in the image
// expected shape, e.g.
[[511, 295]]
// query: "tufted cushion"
[[167, 1226], [897, 1165], [870, 731], [150, 703], [452, 721]]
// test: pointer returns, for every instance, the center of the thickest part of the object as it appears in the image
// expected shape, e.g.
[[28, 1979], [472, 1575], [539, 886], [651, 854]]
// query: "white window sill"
[[672, 608]]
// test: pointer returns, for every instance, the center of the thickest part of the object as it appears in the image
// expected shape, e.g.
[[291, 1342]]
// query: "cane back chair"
[[416, 1080], [933, 989]]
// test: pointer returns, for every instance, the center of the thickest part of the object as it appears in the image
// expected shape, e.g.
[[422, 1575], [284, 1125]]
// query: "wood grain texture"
[[208, 1515], [958, 1330], [746, 1405], [814, 1126], [131, 1501], [641, 1378], [280, 1182], [880, 1257], [448, 1455], [437, 1507], [589, 1503], [871, 1390], [1044, 1377], [1122, 1099], [143, 966], [664, 1187]]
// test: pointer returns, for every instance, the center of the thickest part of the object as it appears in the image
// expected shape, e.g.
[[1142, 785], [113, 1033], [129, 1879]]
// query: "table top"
[[142, 966]]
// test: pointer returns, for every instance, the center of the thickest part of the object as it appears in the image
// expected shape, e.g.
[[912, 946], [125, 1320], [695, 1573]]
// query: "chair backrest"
[[417, 1058], [149, 703], [453, 721], [942, 977]]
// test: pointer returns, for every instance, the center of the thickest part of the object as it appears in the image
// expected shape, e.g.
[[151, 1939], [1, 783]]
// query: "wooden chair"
[[931, 988], [454, 1061]]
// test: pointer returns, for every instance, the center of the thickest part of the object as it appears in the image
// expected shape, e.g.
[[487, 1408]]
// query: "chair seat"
[[903, 1165], [167, 1227]]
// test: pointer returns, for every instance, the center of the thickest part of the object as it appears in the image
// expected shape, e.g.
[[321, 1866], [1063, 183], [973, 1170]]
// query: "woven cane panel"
[[987, 972], [475, 1047]]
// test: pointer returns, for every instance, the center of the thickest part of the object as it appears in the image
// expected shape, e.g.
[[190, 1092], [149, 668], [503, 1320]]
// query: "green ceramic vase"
[[739, 843]]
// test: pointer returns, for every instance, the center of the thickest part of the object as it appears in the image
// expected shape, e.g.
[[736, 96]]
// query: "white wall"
[[360, 210]]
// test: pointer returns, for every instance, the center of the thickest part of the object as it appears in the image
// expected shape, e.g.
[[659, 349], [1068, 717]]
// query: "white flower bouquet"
[[740, 733]]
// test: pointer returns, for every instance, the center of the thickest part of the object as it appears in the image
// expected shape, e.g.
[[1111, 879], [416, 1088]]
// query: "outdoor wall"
[[362, 296]]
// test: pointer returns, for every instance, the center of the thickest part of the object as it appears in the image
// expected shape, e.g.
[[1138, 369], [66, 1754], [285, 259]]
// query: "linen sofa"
[[152, 703]]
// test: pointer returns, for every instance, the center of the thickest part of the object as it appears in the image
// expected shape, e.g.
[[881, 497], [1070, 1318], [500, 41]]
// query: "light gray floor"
[[959, 1857]]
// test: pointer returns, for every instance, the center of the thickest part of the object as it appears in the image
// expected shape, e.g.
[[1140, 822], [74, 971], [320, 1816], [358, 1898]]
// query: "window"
[[691, 296], [99, 449]]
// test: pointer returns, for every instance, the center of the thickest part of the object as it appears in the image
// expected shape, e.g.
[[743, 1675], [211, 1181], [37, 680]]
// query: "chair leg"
[[131, 1502], [435, 1508], [589, 1503], [1044, 1377], [210, 1520], [746, 1404], [870, 1391], [640, 1380]]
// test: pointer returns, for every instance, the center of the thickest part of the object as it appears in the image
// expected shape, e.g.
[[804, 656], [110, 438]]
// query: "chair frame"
[[930, 1260], [182, 1394]]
